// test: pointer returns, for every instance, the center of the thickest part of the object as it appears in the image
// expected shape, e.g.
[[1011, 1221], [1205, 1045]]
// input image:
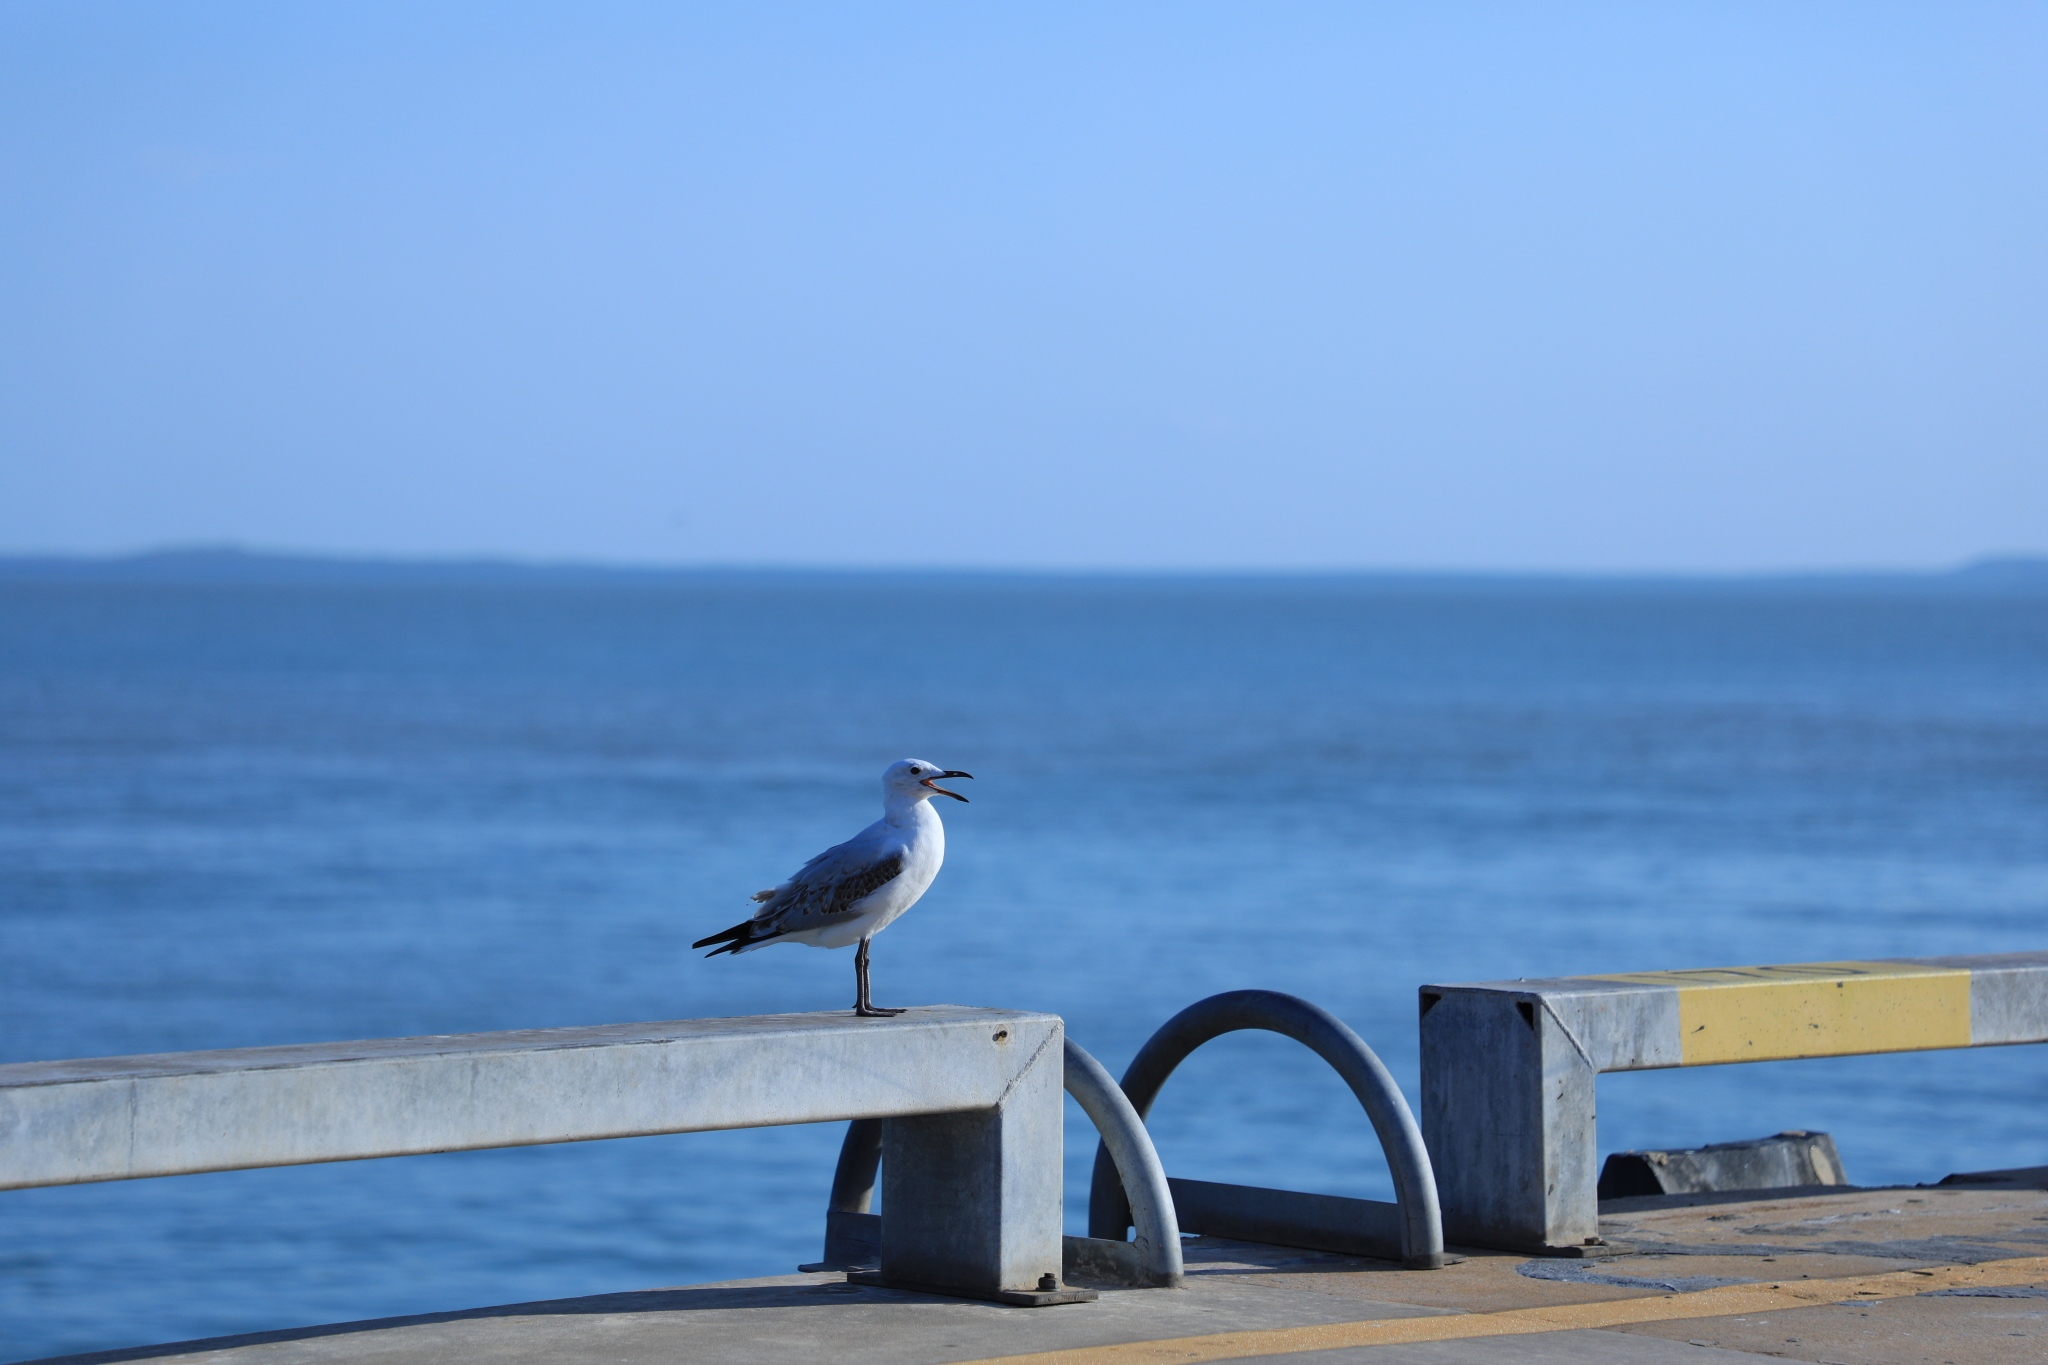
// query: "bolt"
[[1048, 1283]]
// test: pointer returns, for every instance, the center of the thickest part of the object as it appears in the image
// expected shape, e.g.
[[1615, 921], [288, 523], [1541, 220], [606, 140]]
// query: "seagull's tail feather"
[[735, 939]]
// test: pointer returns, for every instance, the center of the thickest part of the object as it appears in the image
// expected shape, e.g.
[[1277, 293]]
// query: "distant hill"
[[2010, 571], [227, 566]]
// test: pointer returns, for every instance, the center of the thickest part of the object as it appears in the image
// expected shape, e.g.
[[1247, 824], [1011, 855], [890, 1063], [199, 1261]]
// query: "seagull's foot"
[[875, 1012]]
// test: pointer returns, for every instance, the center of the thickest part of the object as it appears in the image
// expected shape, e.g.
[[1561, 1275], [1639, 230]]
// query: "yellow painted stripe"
[[1710, 1303], [1814, 1009]]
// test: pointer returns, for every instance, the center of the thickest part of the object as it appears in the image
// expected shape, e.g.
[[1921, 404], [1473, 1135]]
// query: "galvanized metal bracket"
[[853, 1235], [1153, 1260], [1410, 1231]]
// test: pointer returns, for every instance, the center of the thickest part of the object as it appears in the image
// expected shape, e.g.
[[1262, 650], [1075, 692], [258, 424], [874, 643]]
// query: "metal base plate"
[[1576, 1251], [1016, 1298]]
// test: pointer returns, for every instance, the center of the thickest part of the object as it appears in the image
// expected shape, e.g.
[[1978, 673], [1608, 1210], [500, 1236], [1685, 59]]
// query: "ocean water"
[[234, 816]]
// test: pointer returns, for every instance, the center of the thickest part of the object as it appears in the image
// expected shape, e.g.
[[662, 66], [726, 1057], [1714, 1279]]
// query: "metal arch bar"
[[1422, 1238], [1128, 1148], [860, 1158], [1124, 1138], [853, 1236]]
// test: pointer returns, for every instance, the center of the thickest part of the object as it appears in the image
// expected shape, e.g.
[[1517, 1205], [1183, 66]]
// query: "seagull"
[[851, 891]]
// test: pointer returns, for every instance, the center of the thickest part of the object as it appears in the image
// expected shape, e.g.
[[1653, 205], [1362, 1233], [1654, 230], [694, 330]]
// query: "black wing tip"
[[740, 936], [738, 931]]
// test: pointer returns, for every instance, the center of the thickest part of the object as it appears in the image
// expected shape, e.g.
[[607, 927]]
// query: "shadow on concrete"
[[698, 1299], [1228, 1256]]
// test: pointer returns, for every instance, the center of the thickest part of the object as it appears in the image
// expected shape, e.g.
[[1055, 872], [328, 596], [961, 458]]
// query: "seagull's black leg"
[[863, 1006]]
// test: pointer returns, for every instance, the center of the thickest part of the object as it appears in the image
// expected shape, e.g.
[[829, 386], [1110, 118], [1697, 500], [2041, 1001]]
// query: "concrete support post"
[[971, 1201], [1507, 1114]]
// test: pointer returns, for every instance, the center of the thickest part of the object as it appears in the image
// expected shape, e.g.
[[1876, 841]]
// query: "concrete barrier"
[[1508, 1066], [970, 1098]]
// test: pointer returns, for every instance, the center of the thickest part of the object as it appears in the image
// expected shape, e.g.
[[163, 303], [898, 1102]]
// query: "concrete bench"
[[970, 1098], [1508, 1066]]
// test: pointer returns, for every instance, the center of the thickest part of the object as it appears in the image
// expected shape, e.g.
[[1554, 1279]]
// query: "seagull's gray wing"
[[830, 884], [827, 886]]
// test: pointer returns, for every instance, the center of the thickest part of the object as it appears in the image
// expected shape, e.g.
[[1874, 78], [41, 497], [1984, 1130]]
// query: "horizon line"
[[225, 553]]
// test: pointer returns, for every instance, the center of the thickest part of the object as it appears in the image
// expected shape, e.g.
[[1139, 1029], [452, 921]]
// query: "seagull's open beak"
[[929, 781]]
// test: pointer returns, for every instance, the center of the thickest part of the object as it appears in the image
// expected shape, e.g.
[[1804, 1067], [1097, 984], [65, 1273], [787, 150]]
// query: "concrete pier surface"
[[1955, 1274]]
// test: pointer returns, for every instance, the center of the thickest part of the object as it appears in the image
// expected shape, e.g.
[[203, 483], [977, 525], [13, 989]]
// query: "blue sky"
[[1278, 285]]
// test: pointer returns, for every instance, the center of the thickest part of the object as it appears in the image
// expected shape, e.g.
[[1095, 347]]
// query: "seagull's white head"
[[916, 780]]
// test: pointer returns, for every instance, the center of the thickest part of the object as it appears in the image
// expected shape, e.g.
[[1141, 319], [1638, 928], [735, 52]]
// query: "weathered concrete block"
[[1783, 1161]]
